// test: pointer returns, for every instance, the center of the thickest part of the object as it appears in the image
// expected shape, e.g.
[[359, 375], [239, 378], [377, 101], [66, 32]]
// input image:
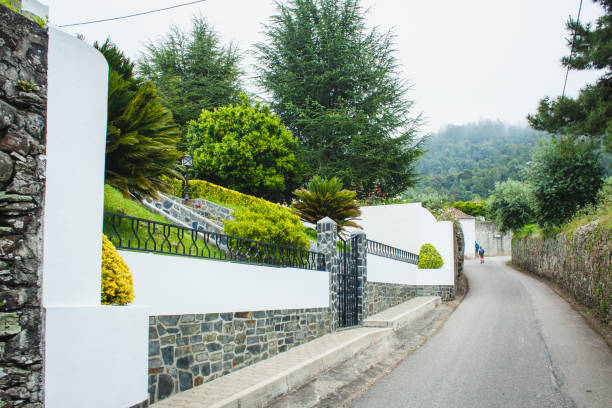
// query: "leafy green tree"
[[335, 84], [245, 148], [590, 114], [565, 174], [473, 208], [141, 136], [510, 205], [192, 71], [325, 198]]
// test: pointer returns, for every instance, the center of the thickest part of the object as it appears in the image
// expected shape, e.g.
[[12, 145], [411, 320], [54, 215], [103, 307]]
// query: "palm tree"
[[325, 198]]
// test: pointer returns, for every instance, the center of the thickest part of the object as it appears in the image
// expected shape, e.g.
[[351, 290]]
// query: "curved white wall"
[[408, 226], [171, 285], [381, 269]]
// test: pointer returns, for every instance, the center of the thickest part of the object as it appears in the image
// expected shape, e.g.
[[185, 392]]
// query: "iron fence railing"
[[138, 234], [376, 248]]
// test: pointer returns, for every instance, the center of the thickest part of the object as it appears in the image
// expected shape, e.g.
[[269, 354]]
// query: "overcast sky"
[[467, 60]]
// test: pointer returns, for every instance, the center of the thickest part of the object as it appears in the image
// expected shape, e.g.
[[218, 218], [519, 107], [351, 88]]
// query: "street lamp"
[[187, 161]]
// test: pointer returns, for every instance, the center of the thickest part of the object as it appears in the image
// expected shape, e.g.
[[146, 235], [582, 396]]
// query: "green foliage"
[[141, 136], [510, 205], [565, 174], [192, 71], [26, 86], [429, 257], [590, 113], [336, 85], [15, 5], [245, 148], [473, 208], [261, 222], [464, 162], [117, 282], [325, 198]]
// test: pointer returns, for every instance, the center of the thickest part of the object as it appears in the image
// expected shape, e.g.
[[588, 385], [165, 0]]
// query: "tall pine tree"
[[590, 114], [336, 85]]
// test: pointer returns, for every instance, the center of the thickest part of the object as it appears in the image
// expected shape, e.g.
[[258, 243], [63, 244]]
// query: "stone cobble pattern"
[[189, 350], [23, 100]]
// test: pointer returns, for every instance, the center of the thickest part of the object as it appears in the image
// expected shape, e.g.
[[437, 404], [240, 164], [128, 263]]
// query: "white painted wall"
[[95, 356], [74, 196], [408, 226], [381, 269], [178, 285], [469, 235]]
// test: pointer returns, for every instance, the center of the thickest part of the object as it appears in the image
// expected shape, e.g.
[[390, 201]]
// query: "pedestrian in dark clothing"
[[481, 252], [476, 253]]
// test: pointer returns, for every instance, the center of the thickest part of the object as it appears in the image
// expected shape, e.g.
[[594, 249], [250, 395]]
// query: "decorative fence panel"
[[137, 234], [377, 248]]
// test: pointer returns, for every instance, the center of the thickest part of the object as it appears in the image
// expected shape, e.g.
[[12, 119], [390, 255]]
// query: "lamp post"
[[187, 161]]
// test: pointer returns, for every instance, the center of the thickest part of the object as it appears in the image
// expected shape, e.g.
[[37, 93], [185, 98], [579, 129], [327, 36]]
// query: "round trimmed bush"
[[429, 257], [117, 283]]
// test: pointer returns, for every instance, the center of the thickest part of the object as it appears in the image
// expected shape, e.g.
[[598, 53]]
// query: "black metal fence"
[[137, 234], [376, 248]]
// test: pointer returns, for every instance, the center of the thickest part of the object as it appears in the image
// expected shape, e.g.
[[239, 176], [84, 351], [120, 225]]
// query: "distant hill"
[[464, 162]]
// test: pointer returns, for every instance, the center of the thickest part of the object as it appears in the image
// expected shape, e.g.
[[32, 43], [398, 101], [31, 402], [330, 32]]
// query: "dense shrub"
[[510, 205], [246, 148], [325, 198], [429, 257], [473, 208], [117, 283], [267, 223]]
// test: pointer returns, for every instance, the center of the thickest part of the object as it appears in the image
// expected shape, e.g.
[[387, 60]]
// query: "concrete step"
[[402, 314]]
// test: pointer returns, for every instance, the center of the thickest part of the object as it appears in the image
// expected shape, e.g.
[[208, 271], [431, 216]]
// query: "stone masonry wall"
[[189, 350], [23, 94], [579, 261], [381, 296]]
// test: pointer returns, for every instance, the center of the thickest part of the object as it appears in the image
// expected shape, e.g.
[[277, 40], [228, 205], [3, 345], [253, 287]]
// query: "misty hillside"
[[464, 162]]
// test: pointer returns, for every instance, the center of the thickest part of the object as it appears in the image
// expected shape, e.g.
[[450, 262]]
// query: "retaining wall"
[[580, 262], [23, 57], [494, 242]]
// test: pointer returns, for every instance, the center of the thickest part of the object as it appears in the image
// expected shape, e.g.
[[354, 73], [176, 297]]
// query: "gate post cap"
[[326, 220]]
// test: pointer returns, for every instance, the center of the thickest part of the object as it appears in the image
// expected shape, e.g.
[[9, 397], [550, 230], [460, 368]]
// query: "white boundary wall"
[[95, 356], [469, 235], [381, 269], [408, 226], [173, 285]]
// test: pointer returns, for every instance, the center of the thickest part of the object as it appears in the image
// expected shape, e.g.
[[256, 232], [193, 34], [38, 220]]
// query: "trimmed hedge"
[[429, 257], [117, 283]]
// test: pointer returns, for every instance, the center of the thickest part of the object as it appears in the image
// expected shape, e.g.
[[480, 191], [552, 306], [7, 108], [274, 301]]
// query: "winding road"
[[512, 342]]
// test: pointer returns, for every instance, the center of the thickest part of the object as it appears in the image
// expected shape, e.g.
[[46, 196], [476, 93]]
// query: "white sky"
[[468, 60]]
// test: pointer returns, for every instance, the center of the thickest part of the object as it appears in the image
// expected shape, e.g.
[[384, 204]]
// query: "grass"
[[145, 236]]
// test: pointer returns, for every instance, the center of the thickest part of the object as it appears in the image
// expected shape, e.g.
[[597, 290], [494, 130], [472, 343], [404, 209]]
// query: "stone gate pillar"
[[358, 238], [327, 231]]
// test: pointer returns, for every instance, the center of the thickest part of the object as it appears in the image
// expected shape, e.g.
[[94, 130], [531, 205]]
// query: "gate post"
[[326, 244], [361, 260]]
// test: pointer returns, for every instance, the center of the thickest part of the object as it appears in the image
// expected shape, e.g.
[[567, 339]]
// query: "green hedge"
[[429, 257]]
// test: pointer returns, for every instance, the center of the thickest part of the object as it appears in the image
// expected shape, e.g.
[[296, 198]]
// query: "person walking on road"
[[481, 252], [476, 248]]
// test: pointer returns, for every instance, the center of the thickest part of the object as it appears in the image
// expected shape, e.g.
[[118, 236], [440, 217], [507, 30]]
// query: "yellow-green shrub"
[[210, 191], [429, 257], [117, 283], [267, 223]]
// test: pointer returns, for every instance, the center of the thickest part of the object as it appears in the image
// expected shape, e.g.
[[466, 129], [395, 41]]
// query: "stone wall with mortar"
[[189, 350], [382, 295], [23, 95], [579, 261]]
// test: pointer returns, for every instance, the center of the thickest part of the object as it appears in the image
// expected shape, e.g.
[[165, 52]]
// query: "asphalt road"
[[512, 342]]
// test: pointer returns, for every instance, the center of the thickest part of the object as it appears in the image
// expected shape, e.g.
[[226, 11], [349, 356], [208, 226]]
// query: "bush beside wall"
[[117, 282], [429, 257], [579, 261]]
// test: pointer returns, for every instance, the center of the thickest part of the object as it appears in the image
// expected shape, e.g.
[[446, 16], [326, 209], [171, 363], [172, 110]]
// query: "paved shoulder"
[[511, 343]]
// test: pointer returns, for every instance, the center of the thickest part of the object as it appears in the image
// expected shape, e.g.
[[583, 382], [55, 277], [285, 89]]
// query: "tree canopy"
[[245, 148], [590, 114], [141, 136], [192, 70], [335, 84]]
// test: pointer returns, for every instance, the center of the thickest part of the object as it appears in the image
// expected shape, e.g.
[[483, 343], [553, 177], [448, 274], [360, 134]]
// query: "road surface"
[[512, 342]]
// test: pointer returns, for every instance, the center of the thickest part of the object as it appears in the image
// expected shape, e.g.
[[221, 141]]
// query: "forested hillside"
[[464, 162]]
